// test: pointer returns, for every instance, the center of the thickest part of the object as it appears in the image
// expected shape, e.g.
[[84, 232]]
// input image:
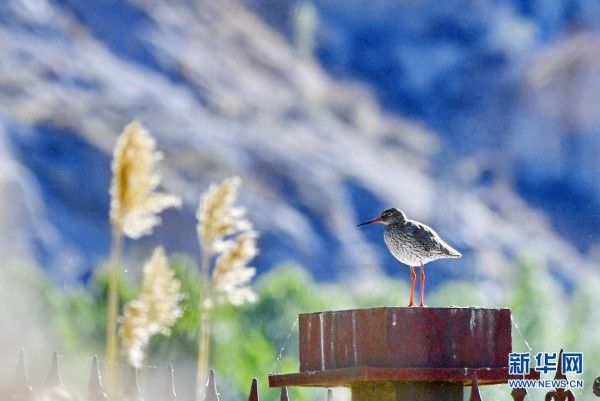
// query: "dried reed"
[[134, 332], [156, 310], [223, 231], [161, 294], [134, 206]]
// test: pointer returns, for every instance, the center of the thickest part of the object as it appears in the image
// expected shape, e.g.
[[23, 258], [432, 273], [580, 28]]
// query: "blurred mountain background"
[[477, 117]]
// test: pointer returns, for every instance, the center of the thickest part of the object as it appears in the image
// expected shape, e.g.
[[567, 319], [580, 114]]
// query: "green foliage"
[[538, 306]]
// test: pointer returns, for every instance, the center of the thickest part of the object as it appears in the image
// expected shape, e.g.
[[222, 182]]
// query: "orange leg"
[[413, 279], [422, 286]]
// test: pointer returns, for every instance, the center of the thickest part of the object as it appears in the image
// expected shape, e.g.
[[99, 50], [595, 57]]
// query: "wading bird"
[[413, 244]]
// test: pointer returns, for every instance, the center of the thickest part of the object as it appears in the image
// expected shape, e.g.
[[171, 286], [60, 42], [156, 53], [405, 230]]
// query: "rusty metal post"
[[283, 395], [402, 354], [413, 391], [475, 396]]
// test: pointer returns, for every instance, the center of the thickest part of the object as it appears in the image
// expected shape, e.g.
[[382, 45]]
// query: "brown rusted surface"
[[560, 394], [596, 387], [253, 396], [405, 337], [372, 391], [518, 394], [411, 391], [396, 354], [364, 374], [407, 391], [475, 396]]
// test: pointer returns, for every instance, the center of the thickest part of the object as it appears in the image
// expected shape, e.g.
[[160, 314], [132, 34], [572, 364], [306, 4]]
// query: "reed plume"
[[135, 203], [231, 275], [154, 312], [161, 294], [134, 332], [224, 232], [216, 215]]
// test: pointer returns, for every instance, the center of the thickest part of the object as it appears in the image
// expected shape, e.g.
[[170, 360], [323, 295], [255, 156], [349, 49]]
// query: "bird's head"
[[388, 216]]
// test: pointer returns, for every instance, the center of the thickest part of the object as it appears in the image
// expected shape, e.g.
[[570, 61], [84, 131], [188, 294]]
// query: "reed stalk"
[[112, 311], [204, 334]]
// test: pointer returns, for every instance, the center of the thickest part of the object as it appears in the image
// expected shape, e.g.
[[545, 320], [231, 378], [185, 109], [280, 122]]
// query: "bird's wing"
[[426, 236]]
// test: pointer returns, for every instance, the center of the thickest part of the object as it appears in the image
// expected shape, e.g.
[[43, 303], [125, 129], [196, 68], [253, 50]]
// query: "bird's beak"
[[377, 220]]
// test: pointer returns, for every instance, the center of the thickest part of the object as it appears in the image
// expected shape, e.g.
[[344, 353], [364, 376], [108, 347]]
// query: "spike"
[[211, 393], [95, 391], [283, 396], [22, 391], [132, 390], [253, 391], [559, 373], [569, 395], [53, 378], [20, 373], [171, 395], [329, 394], [475, 396], [518, 394]]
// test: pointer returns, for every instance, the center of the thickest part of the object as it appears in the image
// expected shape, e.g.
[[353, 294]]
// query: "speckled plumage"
[[413, 243]]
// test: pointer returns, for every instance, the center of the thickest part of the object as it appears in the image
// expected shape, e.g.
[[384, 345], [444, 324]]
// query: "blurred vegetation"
[[258, 339]]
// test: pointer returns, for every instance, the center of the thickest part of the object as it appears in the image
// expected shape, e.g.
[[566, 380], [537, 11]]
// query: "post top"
[[440, 309]]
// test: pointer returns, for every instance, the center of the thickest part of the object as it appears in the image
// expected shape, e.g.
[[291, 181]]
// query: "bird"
[[413, 244]]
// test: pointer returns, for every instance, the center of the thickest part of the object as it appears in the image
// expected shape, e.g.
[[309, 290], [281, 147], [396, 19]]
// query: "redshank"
[[413, 244]]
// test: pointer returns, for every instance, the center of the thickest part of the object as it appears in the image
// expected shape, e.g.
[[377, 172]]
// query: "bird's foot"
[[422, 305], [412, 304]]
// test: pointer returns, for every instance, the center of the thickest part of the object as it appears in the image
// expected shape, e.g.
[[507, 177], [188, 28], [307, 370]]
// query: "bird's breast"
[[405, 247]]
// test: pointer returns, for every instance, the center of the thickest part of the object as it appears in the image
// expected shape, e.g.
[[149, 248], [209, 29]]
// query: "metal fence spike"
[[53, 378], [211, 393], [171, 394], [21, 391], [559, 373], [596, 387], [518, 394], [133, 391], [95, 390], [475, 396], [329, 394], [253, 391], [21, 373], [283, 396], [560, 394]]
